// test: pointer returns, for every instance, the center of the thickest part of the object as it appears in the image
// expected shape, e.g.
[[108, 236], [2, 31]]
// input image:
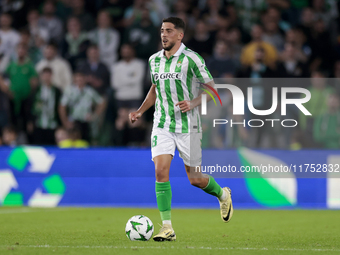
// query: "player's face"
[[170, 35]]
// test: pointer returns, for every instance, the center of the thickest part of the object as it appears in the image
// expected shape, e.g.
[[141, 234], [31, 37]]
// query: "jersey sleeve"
[[151, 76], [199, 68]]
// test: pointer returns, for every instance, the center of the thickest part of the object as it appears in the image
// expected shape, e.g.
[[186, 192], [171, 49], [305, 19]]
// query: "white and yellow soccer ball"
[[139, 228]]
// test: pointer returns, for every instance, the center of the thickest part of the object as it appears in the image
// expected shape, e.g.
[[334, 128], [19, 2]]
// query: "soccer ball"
[[139, 228]]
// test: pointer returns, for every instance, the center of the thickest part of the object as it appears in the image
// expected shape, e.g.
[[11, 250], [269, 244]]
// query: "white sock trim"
[[224, 196], [168, 222], [207, 184]]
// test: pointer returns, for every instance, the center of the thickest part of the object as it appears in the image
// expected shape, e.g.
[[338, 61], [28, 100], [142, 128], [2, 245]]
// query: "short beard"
[[169, 47]]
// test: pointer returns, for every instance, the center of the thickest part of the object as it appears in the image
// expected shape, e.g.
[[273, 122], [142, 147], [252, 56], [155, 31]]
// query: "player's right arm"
[[149, 101]]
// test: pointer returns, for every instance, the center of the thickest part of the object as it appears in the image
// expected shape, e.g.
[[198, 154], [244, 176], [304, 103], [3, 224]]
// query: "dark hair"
[[73, 17], [93, 46], [178, 23], [46, 70], [25, 31], [53, 45], [129, 45], [79, 72], [10, 129]]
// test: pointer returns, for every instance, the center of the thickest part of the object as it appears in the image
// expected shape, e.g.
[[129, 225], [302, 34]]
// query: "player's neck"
[[173, 50]]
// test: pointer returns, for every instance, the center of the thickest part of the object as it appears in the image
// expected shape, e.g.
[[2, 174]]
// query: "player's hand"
[[184, 105], [133, 116]]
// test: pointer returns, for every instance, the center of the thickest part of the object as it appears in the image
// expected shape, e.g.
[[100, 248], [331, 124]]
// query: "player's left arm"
[[188, 105], [202, 74]]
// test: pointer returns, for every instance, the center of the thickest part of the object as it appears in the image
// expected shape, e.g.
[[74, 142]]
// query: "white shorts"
[[188, 145]]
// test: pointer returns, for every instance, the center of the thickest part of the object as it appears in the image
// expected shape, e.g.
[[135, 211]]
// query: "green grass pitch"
[[101, 231]]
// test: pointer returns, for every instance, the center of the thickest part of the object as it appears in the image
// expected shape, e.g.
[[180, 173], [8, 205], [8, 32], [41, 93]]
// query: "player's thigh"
[[162, 167], [162, 150], [190, 149]]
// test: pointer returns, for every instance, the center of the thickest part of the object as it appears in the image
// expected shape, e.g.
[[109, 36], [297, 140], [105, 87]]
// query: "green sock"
[[163, 195], [213, 188]]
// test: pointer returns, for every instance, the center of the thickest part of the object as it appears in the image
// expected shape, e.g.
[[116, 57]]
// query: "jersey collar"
[[178, 52]]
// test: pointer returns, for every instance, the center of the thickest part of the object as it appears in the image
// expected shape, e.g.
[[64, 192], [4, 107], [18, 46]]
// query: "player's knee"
[[162, 174]]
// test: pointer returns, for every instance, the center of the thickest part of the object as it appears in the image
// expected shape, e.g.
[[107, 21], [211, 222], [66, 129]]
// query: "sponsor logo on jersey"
[[166, 76]]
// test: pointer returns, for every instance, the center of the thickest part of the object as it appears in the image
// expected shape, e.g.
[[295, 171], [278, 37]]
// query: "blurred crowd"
[[72, 70]]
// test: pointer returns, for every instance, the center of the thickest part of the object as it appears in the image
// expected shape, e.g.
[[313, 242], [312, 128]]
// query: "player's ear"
[[180, 36]]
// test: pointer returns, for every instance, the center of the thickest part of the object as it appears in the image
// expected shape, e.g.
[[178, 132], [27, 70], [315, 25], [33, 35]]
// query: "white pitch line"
[[164, 247], [31, 210]]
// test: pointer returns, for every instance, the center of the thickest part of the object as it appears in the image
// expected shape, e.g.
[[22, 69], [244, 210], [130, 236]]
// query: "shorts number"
[[154, 141]]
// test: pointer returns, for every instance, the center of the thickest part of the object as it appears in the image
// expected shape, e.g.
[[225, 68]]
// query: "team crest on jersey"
[[166, 76], [179, 63]]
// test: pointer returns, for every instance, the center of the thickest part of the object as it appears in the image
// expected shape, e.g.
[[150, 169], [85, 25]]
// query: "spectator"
[[4, 110], [34, 51], [249, 12], [273, 35], [262, 91], [39, 33], [75, 43], [274, 14], [44, 110], [133, 14], [17, 9], [325, 10], [202, 42], [79, 100], [322, 55], [72, 139], [212, 14], [60, 136], [127, 80], [62, 75], [9, 37], [221, 63], [4, 59], [51, 22], [22, 77], [97, 74], [63, 9], [106, 38], [317, 105], [326, 126], [144, 36], [248, 53], [10, 136], [86, 20], [307, 21], [233, 39], [116, 9], [290, 65], [298, 38]]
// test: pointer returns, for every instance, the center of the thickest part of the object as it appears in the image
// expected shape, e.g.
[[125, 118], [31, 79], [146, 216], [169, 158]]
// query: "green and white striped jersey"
[[177, 79]]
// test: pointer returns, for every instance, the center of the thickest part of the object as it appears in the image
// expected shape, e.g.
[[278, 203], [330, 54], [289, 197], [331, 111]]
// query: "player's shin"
[[214, 189], [163, 195]]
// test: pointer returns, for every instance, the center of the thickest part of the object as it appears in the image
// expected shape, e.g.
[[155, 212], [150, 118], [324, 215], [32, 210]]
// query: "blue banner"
[[37, 176]]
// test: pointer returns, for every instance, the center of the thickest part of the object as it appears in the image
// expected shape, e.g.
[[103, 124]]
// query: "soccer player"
[[175, 73]]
